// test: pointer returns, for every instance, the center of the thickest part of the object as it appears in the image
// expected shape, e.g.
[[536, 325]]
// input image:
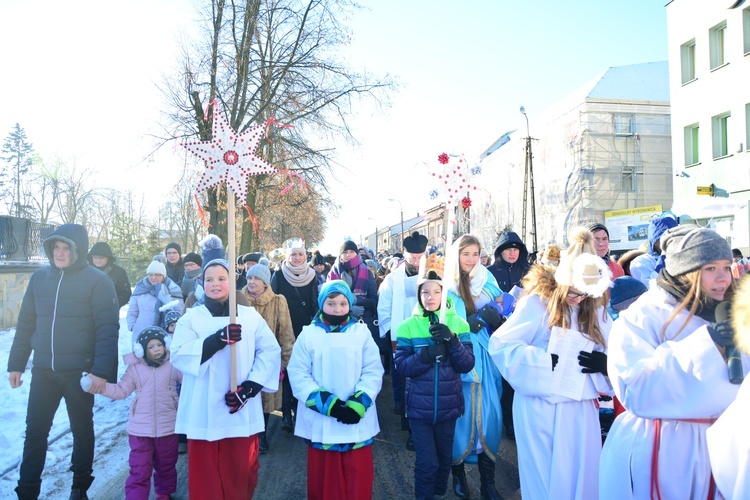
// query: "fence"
[[21, 239]]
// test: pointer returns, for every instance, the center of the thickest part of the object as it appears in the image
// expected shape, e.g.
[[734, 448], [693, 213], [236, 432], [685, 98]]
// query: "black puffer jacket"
[[69, 317], [117, 274], [509, 275], [433, 390]]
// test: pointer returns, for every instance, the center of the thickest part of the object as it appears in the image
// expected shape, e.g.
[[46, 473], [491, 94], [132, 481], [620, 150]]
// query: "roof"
[[636, 82], [408, 224]]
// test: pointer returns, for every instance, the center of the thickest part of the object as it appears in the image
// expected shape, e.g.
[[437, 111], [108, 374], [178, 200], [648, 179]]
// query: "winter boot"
[[460, 485], [262, 443], [81, 484], [487, 478], [287, 422], [262, 440], [28, 491]]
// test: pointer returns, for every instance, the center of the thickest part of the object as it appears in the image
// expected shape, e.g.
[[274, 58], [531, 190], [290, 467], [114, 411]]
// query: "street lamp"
[[402, 222], [528, 182]]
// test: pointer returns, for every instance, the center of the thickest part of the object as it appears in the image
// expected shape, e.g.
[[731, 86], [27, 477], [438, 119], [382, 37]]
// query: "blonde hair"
[[541, 280], [741, 316], [464, 280], [694, 296]]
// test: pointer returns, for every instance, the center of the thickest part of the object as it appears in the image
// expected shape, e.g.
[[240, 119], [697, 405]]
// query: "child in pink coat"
[[153, 443]]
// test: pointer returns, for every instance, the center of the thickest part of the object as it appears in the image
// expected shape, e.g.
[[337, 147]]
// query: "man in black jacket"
[[69, 318], [100, 256], [510, 266]]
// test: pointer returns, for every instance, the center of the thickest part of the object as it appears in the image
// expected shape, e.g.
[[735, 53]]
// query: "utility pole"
[[401, 239], [528, 186]]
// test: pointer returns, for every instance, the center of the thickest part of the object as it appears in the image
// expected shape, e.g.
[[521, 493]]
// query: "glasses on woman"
[[577, 295]]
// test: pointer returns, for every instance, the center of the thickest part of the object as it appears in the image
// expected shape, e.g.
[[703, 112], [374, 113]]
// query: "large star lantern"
[[452, 178], [230, 156]]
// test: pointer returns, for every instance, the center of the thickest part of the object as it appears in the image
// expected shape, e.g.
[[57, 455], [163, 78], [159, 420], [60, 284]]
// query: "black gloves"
[[435, 351], [441, 334], [236, 400], [215, 342], [231, 334], [555, 358], [593, 362], [343, 413], [722, 333], [492, 317], [475, 323]]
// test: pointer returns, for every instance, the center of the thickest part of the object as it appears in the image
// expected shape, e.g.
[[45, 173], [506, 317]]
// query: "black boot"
[[287, 402], [262, 443], [460, 485], [487, 478], [28, 491], [81, 484]]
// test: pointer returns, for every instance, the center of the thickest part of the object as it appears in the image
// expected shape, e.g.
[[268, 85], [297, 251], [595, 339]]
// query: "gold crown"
[[432, 263]]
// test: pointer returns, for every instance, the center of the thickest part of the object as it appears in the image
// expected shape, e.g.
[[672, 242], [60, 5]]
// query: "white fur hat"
[[581, 268]]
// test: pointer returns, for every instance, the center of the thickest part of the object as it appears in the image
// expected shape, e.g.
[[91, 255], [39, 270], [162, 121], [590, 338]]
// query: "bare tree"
[[18, 156], [272, 58], [179, 217]]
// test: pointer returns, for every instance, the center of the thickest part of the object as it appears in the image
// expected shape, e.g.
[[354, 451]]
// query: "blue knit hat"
[[335, 286], [625, 290]]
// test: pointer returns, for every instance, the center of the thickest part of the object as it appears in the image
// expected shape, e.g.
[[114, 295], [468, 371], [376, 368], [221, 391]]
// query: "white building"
[[709, 73], [604, 147]]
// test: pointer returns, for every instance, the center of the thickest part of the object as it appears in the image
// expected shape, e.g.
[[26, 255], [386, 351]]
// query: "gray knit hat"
[[689, 247], [261, 272]]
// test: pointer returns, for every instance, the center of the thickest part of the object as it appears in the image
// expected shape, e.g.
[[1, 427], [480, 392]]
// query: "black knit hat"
[[174, 245], [348, 245], [597, 226], [194, 258], [147, 335], [251, 257], [415, 243]]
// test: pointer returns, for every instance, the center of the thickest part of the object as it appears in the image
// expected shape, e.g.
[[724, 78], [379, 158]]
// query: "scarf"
[[679, 290], [328, 322], [297, 276], [216, 308], [358, 282], [477, 276]]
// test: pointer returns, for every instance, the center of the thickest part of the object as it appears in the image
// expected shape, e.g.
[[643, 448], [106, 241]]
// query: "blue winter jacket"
[[509, 275], [69, 317], [433, 390]]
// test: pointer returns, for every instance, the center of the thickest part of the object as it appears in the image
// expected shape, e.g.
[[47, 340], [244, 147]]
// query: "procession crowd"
[[617, 378]]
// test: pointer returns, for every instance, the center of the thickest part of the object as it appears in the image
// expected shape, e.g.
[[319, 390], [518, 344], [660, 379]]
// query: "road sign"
[[705, 190]]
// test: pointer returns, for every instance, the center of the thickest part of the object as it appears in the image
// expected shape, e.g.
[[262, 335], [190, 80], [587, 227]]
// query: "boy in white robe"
[[336, 374]]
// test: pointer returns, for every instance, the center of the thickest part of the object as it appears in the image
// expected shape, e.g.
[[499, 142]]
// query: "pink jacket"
[[154, 407]]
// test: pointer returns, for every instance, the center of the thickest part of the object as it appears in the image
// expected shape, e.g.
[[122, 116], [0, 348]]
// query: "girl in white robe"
[[670, 375], [729, 438], [558, 438]]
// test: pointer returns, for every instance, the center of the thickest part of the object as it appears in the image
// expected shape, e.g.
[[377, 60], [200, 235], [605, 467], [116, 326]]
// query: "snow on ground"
[[110, 420]]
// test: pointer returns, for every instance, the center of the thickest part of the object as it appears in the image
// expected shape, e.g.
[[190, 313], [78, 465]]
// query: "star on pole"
[[230, 156]]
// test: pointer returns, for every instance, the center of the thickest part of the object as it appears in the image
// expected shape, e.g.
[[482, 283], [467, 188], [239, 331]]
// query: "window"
[[746, 30], [687, 56], [691, 144], [719, 130], [747, 126], [624, 124], [716, 37]]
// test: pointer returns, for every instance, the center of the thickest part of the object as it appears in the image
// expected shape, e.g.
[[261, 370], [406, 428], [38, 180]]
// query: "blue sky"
[[83, 85]]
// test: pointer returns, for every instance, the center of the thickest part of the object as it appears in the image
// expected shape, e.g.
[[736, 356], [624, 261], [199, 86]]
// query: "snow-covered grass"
[[110, 420]]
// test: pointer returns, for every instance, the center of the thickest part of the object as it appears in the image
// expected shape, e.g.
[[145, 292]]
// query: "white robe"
[[729, 447], [202, 412], [558, 439], [341, 363], [397, 297], [682, 378]]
